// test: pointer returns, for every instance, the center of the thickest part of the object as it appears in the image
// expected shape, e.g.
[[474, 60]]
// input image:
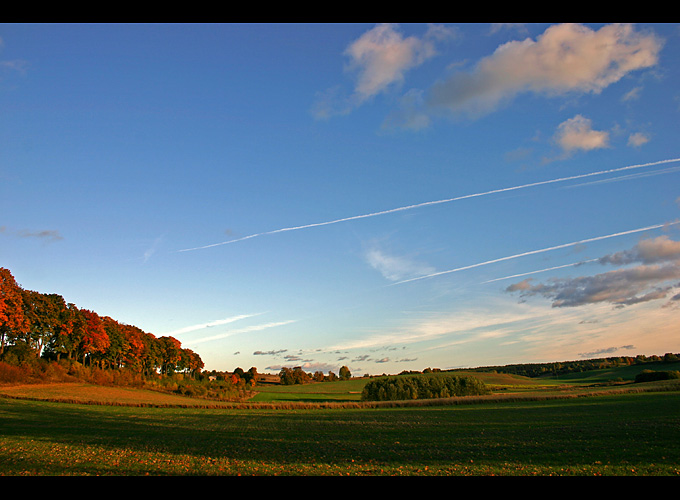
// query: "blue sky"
[[386, 197]]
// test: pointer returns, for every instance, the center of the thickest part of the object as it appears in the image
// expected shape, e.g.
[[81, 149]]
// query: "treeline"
[[564, 367], [36, 325], [399, 388], [292, 376]]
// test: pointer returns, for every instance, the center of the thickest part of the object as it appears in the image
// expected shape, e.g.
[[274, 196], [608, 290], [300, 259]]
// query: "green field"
[[344, 390], [619, 433]]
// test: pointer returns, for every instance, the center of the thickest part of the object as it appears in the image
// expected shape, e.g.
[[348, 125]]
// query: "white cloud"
[[649, 251], [382, 56], [638, 139], [380, 59], [395, 268], [577, 134], [565, 58], [632, 94]]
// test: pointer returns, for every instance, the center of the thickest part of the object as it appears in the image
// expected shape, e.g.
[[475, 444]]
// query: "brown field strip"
[[83, 393]]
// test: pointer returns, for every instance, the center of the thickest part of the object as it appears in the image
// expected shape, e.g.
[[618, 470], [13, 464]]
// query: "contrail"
[[212, 323], [533, 252], [540, 271], [437, 202], [248, 329]]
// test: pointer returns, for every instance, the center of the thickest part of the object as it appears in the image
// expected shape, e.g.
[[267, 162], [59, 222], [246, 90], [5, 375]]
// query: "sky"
[[386, 197]]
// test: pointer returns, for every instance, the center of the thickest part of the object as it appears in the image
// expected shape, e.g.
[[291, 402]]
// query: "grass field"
[[350, 390], [612, 434]]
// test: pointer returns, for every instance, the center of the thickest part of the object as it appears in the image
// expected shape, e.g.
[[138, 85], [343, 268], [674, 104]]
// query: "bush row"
[[652, 376], [398, 388]]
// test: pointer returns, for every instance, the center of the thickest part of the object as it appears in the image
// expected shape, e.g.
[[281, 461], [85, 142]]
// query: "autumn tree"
[[133, 355], [295, 376], [94, 340], [70, 330], [44, 314], [170, 354], [189, 362], [345, 374], [12, 320], [151, 354], [35, 324], [113, 356]]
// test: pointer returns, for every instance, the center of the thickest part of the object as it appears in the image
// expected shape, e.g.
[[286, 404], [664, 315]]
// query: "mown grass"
[[616, 434]]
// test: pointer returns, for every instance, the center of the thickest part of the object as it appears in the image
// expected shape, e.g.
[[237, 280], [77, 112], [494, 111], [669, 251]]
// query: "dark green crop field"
[[619, 434]]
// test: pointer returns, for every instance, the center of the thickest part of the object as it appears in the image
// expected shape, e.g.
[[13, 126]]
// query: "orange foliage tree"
[[12, 319], [50, 327], [95, 340]]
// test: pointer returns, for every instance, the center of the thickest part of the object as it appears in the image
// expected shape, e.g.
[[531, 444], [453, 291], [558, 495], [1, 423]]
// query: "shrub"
[[652, 376], [127, 377], [193, 390], [100, 376], [51, 371], [398, 388], [12, 374]]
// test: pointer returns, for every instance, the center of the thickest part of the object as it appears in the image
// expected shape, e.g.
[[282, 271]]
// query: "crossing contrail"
[[533, 252], [437, 202]]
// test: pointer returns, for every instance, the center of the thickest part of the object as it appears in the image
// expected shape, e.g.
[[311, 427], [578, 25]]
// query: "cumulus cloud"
[[653, 276], [382, 56], [577, 134], [649, 251], [637, 139], [379, 59], [566, 58]]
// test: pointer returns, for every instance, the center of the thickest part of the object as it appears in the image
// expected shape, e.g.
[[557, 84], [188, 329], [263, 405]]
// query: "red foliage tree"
[[12, 319], [133, 357], [95, 339], [45, 323]]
